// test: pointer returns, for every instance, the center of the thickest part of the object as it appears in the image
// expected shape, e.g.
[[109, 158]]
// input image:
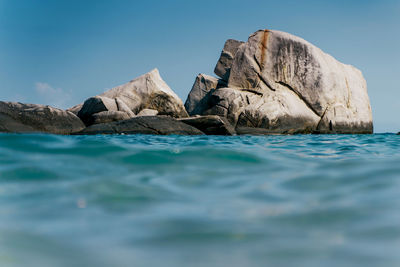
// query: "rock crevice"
[[301, 97]]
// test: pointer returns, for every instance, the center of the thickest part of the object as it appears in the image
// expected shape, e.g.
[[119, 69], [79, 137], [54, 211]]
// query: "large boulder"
[[95, 105], [282, 83], [160, 125], [211, 125], [121, 106], [31, 118], [101, 109], [202, 85], [110, 116]]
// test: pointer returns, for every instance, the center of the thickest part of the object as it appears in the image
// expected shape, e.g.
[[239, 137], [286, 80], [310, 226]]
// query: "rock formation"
[[283, 84], [272, 84], [32, 118], [148, 91]]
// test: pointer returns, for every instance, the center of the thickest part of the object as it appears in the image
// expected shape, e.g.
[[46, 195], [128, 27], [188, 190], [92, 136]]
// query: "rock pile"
[[273, 83]]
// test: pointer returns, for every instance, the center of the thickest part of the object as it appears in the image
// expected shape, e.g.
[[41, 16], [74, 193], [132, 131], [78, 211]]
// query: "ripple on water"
[[306, 200]]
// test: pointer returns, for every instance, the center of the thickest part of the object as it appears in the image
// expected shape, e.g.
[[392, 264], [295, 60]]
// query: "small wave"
[[303, 199]]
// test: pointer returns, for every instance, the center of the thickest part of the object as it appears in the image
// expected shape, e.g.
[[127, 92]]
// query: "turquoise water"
[[304, 200]]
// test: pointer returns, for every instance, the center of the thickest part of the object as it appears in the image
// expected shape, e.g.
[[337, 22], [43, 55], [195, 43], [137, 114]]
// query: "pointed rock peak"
[[153, 77], [148, 91], [222, 69], [202, 85]]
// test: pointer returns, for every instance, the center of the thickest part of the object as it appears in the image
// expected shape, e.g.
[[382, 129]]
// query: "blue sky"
[[61, 52]]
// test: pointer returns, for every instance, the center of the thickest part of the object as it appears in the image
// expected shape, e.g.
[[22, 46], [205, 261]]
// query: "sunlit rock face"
[[281, 83], [147, 92]]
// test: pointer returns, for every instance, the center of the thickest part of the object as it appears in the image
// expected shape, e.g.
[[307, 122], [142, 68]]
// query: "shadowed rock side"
[[202, 85], [282, 83], [211, 125], [30, 118], [223, 67], [96, 105], [161, 125]]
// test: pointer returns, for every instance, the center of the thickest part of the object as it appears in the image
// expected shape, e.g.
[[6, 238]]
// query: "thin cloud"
[[52, 96]]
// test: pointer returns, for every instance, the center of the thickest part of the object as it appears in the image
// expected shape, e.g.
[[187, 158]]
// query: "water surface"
[[304, 200]]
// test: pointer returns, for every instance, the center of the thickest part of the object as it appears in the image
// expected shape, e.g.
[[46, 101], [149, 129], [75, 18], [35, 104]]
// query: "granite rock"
[[281, 83], [95, 105], [149, 91], [211, 124], [75, 109], [110, 116], [273, 63], [31, 118], [202, 85], [283, 112], [123, 107], [159, 125], [148, 112], [222, 69]]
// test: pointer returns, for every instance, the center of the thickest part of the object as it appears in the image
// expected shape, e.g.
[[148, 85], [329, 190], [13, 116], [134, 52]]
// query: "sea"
[[144, 200]]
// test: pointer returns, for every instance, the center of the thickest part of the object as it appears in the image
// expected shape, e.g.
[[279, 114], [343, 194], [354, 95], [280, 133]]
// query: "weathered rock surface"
[[75, 109], [160, 125], [283, 112], [211, 125], [110, 116], [149, 91], [273, 83], [148, 112], [282, 83], [95, 105], [223, 67], [123, 107], [30, 118], [202, 85]]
